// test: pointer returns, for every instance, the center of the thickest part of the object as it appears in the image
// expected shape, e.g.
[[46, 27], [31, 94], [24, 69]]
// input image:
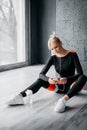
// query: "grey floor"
[[40, 115]]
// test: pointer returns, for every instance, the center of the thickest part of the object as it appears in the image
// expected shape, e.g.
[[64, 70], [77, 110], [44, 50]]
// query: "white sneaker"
[[17, 100], [29, 98], [60, 106]]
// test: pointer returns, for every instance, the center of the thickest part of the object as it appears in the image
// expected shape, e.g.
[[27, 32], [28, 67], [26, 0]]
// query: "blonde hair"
[[53, 38]]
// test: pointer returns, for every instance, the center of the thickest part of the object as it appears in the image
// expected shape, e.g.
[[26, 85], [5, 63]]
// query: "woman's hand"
[[62, 80], [53, 81], [57, 81]]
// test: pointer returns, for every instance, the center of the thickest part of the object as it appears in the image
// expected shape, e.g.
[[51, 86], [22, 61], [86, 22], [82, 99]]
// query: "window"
[[12, 32]]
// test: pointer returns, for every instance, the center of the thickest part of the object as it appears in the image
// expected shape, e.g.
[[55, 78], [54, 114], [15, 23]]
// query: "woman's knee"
[[43, 83], [83, 77], [82, 80]]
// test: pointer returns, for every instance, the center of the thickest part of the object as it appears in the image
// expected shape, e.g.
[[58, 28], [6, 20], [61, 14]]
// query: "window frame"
[[27, 42]]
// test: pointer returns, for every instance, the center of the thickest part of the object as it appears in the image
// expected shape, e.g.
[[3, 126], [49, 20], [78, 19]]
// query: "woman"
[[65, 63]]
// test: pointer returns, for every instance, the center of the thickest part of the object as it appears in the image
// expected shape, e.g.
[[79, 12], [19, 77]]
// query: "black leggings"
[[80, 82]]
